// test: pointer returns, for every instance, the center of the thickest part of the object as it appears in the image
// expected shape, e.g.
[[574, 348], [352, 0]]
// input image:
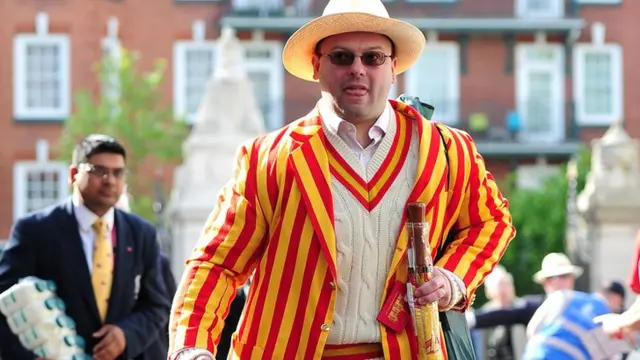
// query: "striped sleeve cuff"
[[458, 291]]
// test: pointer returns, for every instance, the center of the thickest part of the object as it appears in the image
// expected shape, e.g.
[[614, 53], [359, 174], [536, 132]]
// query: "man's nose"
[[357, 68]]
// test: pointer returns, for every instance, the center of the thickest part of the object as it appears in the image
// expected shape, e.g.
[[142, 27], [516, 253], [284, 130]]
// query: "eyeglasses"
[[104, 172], [346, 58]]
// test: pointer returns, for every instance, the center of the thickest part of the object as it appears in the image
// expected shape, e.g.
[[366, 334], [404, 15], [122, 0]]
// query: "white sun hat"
[[344, 16]]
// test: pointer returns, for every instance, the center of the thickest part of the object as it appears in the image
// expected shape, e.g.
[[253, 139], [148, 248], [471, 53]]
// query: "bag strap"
[[426, 110]]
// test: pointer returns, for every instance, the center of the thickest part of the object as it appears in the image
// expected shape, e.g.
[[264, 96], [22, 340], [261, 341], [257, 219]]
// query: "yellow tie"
[[102, 275]]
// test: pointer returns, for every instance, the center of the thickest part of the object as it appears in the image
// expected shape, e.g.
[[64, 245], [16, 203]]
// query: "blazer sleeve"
[[634, 275], [18, 260], [151, 311], [225, 255], [483, 228]]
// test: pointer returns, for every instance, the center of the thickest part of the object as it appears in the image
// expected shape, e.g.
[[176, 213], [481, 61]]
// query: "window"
[[435, 79], [37, 185], [540, 8], [540, 92], [111, 52], [598, 85], [41, 77], [193, 65], [264, 68]]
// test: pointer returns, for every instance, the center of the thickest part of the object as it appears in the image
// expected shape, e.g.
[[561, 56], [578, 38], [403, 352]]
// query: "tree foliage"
[[131, 109], [540, 219]]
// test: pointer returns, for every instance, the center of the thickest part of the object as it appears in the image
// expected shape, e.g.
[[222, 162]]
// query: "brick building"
[[531, 79]]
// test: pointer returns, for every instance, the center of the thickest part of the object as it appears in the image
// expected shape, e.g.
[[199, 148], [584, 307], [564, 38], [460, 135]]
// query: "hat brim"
[[541, 275], [408, 40]]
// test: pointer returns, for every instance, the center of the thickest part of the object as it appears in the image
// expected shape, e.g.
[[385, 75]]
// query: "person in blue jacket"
[[564, 328]]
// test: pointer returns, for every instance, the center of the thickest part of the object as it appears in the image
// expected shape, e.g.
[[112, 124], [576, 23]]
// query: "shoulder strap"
[[450, 236], [427, 110]]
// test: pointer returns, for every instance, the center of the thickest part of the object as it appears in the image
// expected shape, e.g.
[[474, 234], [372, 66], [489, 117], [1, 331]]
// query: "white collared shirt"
[[85, 219], [347, 131]]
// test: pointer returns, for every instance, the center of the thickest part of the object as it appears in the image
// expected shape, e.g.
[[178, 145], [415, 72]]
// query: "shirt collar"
[[86, 217], [337, 125]]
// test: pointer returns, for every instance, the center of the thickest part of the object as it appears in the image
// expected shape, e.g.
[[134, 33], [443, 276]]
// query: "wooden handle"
[[417, 226], [416, 212]]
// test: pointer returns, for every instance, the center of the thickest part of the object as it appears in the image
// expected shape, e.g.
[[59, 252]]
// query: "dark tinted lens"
[[341, 58], [373, 58]]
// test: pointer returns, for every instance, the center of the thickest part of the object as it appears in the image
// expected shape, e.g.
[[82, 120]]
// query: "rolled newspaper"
[[426, 318]]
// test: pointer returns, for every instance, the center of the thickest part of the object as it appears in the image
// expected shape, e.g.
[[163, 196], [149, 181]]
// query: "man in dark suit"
[[120, 314], [160, 346]]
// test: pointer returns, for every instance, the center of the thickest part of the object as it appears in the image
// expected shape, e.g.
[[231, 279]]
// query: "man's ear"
[[315, 61], [73, 171]]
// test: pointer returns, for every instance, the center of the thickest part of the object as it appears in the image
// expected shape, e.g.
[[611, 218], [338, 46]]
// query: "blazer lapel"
[[310, 165], [72, 246], [123, 267], [429, 186]]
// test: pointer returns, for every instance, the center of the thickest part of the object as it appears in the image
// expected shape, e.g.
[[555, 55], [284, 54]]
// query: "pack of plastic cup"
[[37, 316]]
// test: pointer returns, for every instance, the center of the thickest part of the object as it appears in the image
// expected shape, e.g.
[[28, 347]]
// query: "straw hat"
[[556, 264], [344, 16]]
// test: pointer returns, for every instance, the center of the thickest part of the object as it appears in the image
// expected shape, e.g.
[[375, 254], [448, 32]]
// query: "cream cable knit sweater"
[[366, 241]]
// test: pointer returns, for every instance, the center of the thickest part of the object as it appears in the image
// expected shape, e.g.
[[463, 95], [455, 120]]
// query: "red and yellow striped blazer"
[[275, 217]]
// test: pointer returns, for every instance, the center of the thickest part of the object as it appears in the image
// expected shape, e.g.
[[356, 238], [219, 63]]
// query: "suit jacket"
[[495, 338], [47, 244], [520, 314], [158, 349], [276, 217]]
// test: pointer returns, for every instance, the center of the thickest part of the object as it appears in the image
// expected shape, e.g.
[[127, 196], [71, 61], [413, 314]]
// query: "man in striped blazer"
[[315, 211]]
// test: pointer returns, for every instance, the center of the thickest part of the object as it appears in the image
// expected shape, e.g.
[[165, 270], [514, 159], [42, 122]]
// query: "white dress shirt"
[[347, 131], [85, 219]]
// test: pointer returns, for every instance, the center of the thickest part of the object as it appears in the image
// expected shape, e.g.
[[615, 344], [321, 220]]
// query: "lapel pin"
[[129, 249]]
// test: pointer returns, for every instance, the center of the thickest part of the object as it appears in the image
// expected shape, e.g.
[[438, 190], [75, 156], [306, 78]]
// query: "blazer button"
[[325, 327], [332, 285]]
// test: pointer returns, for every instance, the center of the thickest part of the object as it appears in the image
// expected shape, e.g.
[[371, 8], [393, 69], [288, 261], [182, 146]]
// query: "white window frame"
[[522, 10], [21, 170], [617, 83], [273, 65], [112, 49], [20, 109], [180, 50], [559, 131], [413, 82]]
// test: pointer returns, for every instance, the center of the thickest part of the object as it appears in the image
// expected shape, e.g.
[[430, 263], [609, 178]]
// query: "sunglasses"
[[346, 58]]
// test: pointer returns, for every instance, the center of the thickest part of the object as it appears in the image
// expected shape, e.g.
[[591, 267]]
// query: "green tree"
[[131, 109], [540, 219]]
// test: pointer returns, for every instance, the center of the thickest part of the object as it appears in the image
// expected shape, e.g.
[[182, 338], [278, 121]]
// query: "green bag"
[[457, 335]]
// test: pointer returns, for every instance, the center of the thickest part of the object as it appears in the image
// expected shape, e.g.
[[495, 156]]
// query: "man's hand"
[[112, 344], [437, 289], [204, 357], [617, 324]]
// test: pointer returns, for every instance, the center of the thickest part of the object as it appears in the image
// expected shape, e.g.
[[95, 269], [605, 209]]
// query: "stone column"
[[228, 116], [610, 204]]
